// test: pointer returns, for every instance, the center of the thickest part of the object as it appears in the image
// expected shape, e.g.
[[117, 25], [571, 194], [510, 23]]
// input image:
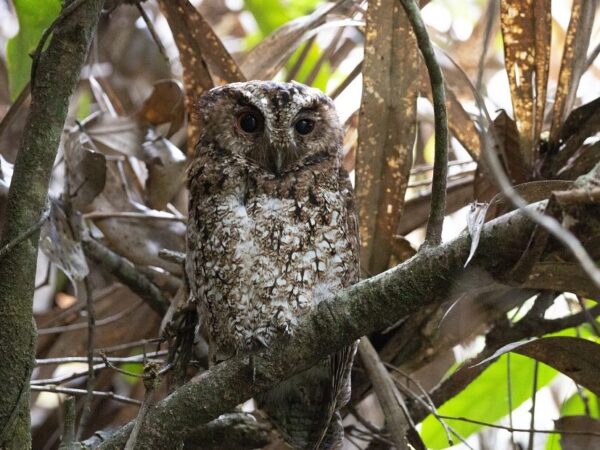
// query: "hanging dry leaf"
[[574, 429], [526, 28], [577, 358], [115, 135], [573, 61], [86, 170], [387, 127], [531, 192], [582, 123], [166, 171], [59, 245], [165, 105], [204, 59], [506, 136], [138, 238], [460, 123]]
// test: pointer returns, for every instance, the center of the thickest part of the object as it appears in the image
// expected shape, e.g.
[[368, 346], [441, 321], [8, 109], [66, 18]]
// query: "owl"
[[272, 231]]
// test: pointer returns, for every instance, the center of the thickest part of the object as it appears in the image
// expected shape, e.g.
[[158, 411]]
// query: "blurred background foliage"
[[127, 133]]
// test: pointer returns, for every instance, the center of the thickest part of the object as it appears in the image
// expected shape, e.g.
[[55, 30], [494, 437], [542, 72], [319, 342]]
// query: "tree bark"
[[56, 77]]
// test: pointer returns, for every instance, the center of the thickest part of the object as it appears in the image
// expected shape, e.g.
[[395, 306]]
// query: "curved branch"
[[433, 234]]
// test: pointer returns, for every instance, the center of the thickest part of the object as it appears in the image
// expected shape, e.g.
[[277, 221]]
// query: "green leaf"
[[486, 398], [271, 14], [132, 367], [311, 59], [34, 17]]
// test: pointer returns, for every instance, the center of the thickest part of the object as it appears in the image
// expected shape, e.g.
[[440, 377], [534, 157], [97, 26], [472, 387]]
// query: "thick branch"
[[57, 74], [373, 304]]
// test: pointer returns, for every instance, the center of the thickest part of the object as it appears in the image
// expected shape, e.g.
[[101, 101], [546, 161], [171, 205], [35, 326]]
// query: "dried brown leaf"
[[115, 135], [531, 192], [582, 123], [506, 135], [460, 123], [164, 105], [573, 61], [137, 239], [86, 170], [60, 246], [578, 424], [526, 28], [577, 358], [166, 169], [581, 162], [205, 60], [387, 127]]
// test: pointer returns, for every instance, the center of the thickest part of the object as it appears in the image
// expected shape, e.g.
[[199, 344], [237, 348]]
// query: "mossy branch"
[[433, 234], [57, 74]]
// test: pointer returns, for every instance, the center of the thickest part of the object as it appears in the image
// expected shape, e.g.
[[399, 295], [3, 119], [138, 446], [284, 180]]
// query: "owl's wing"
[[340, 363], [352, 275]]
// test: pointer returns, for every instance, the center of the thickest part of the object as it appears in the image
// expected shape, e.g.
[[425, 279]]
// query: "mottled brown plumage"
[[272, 231]]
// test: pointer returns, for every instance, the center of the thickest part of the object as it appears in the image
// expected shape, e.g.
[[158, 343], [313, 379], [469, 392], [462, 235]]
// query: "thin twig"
[[84, 285], [73, 391], [150, 26], [521, 430], [510, 408], [396, 417], [126, 272], [14, 108], [533, 399], [427, 403], [593, 55], [346, 82], [99, 215], [590, 319], [26, 234], [128, 345], [66, 378], [435, 223], [99, 323], [98, 359]]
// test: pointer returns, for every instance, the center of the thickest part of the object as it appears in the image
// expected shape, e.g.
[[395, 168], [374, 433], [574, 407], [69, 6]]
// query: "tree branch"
[[435, 223], [370, 305], [57, 75], [126, 272]]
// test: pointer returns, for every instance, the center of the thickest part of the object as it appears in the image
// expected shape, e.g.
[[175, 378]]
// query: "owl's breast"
[[262, 262]]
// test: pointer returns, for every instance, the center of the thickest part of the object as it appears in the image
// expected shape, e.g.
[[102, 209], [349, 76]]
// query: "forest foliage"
[[508, 356]]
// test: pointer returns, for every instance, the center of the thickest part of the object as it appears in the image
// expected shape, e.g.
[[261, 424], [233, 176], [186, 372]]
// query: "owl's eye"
[[249, 122], [304, 126]]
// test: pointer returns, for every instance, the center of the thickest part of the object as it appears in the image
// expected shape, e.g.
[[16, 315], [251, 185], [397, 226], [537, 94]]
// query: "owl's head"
[[276, 127]]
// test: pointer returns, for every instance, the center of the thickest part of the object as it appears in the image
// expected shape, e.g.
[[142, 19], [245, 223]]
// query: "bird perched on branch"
[[272, 231]]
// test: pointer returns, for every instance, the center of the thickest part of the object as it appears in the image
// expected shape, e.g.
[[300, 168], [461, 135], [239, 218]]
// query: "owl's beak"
[[278, 161]]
